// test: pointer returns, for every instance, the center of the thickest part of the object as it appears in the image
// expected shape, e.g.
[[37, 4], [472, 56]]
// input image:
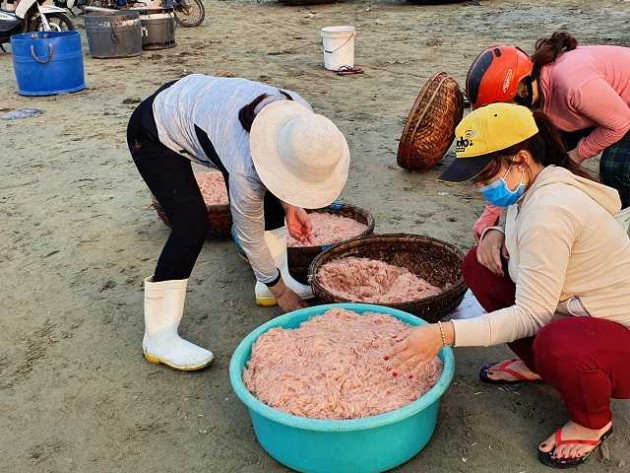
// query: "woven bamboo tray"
[[219, 216], [430, 127], [435, 261]]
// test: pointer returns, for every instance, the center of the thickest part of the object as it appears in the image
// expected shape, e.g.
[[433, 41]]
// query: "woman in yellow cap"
[[560, 293], [277, 156]]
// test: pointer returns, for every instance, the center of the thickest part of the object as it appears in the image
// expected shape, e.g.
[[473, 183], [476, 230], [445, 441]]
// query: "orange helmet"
[[495, 74]]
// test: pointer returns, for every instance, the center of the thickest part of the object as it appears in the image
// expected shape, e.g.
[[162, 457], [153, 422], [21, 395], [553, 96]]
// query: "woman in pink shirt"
[[584, 90]]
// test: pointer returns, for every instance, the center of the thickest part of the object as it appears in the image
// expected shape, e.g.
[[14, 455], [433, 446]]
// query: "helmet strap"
[[528, 99]]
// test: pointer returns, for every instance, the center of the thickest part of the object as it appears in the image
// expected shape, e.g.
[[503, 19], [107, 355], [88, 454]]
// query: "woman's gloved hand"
[[298, 223], [490, 249], [286, 298]]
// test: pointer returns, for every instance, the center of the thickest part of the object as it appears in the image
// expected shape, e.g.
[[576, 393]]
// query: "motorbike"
[[31, 15], [70, 4], [188, 13]]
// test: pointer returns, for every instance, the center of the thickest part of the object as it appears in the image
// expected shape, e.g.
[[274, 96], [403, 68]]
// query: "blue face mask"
[[498, 193]]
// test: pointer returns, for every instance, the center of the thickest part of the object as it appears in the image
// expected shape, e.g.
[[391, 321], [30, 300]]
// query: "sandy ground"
[[78, 235]]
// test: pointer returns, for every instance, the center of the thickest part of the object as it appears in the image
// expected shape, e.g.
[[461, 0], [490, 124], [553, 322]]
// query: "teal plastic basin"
[[367, 445]]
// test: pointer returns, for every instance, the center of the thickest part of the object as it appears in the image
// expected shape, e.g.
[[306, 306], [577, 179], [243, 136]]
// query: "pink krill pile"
[[332, 367], [212, 187], [368, 280], [329, 229]]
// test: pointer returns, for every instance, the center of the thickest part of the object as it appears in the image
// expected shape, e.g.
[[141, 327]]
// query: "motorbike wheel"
[[190, 14], [57, 22]]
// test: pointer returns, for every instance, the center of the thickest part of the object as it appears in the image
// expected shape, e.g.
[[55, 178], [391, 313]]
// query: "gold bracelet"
[[442, 333]]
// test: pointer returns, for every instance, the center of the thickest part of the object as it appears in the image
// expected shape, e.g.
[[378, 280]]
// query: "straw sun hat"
[[301, 157]]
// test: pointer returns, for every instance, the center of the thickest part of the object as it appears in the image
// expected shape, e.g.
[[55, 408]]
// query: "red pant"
[[586, 359]]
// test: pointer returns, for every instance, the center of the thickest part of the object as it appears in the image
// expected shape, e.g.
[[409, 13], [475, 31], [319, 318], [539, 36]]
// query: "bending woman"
[[562, 298], [584, 90], [277, 158]]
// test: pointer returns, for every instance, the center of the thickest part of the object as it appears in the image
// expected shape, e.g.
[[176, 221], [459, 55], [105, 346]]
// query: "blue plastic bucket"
[[48, 63], [369, 445]]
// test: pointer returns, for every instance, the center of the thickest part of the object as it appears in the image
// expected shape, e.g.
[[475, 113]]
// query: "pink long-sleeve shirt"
[[589, 87]]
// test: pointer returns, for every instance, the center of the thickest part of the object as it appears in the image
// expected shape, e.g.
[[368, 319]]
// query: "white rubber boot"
[[277, 242], [163, 310]]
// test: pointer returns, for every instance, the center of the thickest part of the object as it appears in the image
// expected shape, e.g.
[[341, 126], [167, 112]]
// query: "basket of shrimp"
[[337, 223], [215, 196], [413, 273]]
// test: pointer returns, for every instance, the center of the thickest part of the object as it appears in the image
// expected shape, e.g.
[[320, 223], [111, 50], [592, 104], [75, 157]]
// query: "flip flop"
[[348, 71], [505, 368], [547, 459]]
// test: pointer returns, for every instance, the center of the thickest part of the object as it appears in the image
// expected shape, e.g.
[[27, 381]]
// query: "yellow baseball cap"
[[484, 132]]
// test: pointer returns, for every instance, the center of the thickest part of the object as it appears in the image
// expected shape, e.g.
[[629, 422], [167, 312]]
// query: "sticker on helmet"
[[508, 80]]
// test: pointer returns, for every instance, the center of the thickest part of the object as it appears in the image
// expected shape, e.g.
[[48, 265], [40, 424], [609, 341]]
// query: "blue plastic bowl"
[[367, 445]]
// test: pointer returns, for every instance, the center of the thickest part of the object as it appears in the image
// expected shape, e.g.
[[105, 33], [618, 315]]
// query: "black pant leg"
[[171, 180]]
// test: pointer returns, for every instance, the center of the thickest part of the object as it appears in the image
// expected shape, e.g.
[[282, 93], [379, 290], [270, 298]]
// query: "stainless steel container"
[[112, 35], [158, 27]]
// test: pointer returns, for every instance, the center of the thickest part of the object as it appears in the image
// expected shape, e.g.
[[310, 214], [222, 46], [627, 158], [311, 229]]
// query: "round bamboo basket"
[[219, 216], [301, 257], [430, 127], [437, 262]]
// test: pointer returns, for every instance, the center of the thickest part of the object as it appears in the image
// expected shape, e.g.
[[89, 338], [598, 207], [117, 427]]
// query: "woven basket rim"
[[220, 218], [371, 223], [212, 207], [453, 291]]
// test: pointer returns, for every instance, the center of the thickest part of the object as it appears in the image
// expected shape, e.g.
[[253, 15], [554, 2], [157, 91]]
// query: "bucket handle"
[[354, 33], [51, 54], [114, 35]]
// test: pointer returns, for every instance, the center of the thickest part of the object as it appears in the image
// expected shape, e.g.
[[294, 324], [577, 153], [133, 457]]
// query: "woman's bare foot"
[[572, 431], [497, 372]]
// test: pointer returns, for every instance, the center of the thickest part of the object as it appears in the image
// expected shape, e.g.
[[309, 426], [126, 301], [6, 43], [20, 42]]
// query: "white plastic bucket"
[[623, 218], [338, 44]]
